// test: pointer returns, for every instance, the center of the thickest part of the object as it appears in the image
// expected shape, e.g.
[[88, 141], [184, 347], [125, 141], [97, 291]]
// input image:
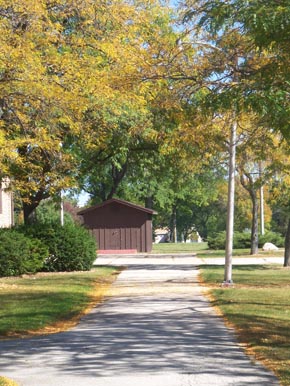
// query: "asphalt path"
[[154, 328]]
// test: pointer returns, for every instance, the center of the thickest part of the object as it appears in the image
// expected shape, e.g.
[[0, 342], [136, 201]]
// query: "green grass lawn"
[[178, 247], [239, 253], [202, 250], [47, 302], [259, 308]]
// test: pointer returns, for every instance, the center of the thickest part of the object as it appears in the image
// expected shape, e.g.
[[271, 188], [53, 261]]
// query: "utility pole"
[[228, 281], [231, 204], [262, 218]]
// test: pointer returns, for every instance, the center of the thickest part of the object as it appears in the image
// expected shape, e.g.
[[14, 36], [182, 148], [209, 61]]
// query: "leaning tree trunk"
[[287, 247], [29, 208], [117, 177]]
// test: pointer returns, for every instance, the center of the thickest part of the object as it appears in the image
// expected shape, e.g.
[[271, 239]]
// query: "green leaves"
[[257, 35]]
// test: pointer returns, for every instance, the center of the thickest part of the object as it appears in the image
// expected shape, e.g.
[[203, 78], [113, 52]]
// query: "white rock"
[[269, 247]]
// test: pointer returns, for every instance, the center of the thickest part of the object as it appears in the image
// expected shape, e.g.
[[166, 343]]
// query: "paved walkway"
[[155, 328]]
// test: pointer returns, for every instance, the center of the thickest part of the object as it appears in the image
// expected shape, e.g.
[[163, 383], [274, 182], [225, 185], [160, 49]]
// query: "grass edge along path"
[[48, 303], [258, 309]]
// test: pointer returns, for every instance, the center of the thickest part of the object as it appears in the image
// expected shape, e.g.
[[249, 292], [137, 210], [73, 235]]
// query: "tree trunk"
[[117, 177], [173, 225], [149, 202], [249, 184], [29, 208], [29, 212], [287, 247], [255, 224]]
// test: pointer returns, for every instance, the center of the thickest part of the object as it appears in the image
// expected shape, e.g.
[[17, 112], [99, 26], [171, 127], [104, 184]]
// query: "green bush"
[[48, 212], [217, 241], [20, 254], [272, 237], [71, 247], [243, 240]]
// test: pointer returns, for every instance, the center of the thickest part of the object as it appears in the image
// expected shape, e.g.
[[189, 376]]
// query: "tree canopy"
[[136, 99]]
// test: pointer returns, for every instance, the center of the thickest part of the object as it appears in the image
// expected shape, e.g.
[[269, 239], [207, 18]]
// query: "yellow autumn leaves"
[[69, 70]]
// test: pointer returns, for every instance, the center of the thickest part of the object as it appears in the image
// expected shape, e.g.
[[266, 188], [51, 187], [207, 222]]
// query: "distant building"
[[161, 235], [194, 237], [6, 206]]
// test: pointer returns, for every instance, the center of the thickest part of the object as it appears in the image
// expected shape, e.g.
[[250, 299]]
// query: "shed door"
[[113, 239]]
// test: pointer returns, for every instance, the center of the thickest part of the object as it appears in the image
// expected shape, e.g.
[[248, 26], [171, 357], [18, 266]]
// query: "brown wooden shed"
[[120, 226]]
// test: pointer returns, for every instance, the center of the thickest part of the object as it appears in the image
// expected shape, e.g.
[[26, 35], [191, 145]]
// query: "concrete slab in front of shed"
[[117, 251]]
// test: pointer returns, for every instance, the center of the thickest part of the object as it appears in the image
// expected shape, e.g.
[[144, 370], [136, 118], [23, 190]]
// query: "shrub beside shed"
[[120, 226]]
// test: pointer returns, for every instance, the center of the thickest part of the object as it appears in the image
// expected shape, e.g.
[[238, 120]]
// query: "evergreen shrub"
[[20, 254], [242, 240], [71, 247], [217, 241], [272, 237]]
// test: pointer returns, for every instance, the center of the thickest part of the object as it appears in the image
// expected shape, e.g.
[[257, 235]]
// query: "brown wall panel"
[[123, 238], [134, 238], [143, 237], [138, 238], [128, 239]]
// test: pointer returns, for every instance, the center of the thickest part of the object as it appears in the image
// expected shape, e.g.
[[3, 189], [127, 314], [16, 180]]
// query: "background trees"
[[113, 99], [240, 53]]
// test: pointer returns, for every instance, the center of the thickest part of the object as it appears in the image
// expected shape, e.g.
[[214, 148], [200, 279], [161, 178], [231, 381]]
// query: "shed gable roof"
[[120, 202]]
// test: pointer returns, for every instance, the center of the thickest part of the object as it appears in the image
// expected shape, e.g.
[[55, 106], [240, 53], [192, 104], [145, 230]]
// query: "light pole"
[[262, 221], [230, 207]]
